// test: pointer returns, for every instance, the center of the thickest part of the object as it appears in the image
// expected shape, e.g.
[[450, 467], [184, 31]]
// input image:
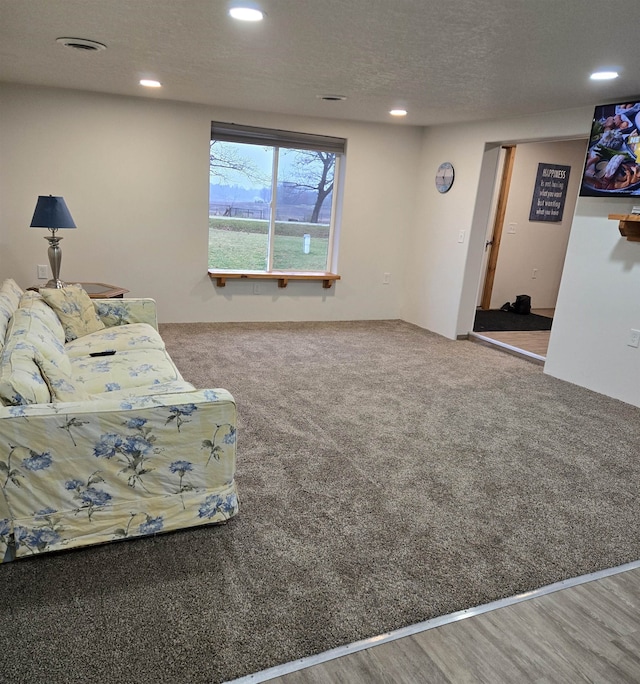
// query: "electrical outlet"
[[256, 288], [534, 273], [461, 236], [512, 228], [634, 338], [386, 279], [43, 271]]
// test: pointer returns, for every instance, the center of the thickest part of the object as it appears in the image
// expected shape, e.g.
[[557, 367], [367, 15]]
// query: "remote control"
[[110, 352]]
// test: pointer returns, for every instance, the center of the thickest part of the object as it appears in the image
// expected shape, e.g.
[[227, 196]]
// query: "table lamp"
[[52, 213]]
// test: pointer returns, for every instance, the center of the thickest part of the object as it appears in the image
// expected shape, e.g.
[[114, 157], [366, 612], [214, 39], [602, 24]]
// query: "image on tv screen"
[[612, 167]]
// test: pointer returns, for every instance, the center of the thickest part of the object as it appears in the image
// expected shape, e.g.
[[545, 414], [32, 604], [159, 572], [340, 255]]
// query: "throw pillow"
[[33, 302], [75, 310], [59, 380], [10, 294]]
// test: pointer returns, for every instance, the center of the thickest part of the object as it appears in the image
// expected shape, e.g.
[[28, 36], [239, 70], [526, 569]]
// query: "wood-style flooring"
[[585, 633], [532, 341]]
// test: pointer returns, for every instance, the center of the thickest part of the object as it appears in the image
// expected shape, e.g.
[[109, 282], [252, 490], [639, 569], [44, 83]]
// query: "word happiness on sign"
[[549, 193]]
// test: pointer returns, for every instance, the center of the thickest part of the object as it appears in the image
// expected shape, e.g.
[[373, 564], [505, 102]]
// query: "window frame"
[[284, 140]]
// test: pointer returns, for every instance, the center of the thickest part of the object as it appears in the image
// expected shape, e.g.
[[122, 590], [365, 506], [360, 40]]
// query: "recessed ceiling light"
[[149, 83], [333, 98], [247, 11], [398, 112], [603, 75], [81, 44]]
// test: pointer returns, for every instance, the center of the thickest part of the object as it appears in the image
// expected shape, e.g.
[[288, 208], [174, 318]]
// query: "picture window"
[[273, 199]]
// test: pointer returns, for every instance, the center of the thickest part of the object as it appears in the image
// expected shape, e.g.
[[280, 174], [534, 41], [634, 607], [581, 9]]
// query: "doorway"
[[522, 256]]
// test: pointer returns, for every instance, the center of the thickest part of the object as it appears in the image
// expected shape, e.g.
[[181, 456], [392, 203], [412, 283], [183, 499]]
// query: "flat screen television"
[[612, 166]]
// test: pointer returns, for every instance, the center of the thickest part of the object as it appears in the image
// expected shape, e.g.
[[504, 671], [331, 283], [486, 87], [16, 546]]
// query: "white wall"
[[435, 258], [444, 274], [535, 244], [598, 305], [134, 174], [598, 302]]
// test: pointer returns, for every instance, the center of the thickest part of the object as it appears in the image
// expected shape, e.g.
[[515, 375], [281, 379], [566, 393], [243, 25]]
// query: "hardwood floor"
[[532, 341], [585, 633], [544, 312]]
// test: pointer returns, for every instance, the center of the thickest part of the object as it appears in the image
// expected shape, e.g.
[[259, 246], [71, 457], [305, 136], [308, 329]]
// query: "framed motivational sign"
[[549, 193]]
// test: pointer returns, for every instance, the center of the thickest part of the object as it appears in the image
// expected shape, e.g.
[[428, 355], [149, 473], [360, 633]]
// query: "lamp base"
[[57, 283], [55, 257]]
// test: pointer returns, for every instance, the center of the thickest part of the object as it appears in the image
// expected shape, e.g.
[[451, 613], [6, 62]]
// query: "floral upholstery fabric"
[[103, 448], [58, 379], [33, 301], [149, 391], [12, 290], [74, 309], [123, 370], [28, 338], [21, 381], [132, 336], [6, 311], [10, 294], [90, 472], [124, 311]]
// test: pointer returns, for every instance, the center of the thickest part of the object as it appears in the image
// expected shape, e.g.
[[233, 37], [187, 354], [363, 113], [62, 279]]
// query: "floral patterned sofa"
[[96, 448]]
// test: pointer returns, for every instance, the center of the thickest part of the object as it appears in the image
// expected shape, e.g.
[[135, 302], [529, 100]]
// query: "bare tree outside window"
[[312, 172], [226, 161]]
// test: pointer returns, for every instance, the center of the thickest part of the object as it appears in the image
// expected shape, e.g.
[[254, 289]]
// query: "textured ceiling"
[[453, 61]]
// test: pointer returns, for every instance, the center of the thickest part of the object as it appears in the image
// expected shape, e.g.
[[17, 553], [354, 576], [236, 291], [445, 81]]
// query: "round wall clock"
[[444, 177]]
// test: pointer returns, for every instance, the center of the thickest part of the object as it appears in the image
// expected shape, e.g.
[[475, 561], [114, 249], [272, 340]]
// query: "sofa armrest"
[[188, 403], [81, 472], [122, 311], [197, 425]]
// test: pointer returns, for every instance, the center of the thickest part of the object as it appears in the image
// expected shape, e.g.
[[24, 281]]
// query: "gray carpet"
[[387, 475]]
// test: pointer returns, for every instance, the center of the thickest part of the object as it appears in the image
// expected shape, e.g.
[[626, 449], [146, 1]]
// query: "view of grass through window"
[[269, 207]]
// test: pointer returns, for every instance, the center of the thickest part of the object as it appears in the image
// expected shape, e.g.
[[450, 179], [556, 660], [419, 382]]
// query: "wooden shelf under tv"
[[629, 225]]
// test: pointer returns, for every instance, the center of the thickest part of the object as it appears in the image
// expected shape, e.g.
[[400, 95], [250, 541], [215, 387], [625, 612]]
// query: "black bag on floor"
[[522, 305]]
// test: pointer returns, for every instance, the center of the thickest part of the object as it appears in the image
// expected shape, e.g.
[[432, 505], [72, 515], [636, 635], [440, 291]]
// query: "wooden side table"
[[98, 290], [103, 291]]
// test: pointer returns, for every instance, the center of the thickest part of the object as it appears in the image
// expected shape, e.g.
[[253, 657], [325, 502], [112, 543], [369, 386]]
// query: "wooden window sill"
[[283, 277]]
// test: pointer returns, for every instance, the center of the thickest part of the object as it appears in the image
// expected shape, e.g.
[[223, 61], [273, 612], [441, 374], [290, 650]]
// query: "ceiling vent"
[[81, 44]]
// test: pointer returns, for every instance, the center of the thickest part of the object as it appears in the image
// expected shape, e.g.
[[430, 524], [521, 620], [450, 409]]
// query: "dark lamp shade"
[[51, 212]]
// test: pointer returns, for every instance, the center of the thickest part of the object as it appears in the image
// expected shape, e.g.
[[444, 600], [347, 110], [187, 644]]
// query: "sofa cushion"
[[34, 302], [21, 381], [34, 367], [123, 370], [150, 390], [132, 336], [29, 326], [10, 294], [62, 386], [6, 311], [10, 288], [74, 309]]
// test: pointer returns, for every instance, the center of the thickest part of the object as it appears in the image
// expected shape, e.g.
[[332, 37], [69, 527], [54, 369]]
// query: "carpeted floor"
[[387, 475], [497, 320]]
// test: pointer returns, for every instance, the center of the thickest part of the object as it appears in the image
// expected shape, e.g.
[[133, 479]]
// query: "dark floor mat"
[[496, 320]]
